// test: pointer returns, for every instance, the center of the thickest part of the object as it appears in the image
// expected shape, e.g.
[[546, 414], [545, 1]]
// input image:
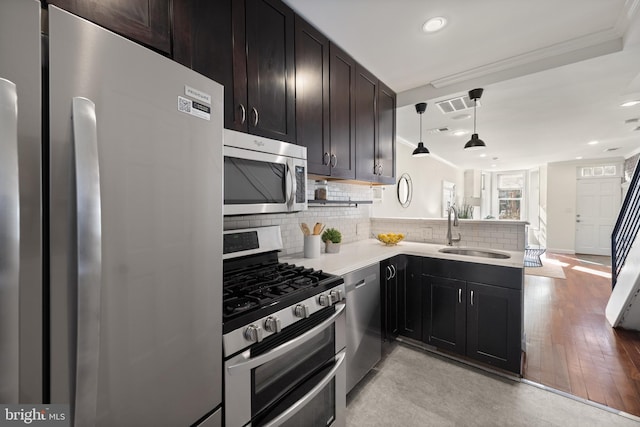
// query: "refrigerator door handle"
[[9, 243], [89, 260]]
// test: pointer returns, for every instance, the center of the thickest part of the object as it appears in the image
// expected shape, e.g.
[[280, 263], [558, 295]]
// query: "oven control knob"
[[272, 324], [253, 333], [336, 295], [325, 300], [301, 310]]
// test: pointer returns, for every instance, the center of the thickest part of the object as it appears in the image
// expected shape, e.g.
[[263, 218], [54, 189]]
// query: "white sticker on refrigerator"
[[197, 94], [194, 108]]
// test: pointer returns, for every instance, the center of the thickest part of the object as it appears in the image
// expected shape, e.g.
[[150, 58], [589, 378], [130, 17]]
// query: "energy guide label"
[[194, 108]]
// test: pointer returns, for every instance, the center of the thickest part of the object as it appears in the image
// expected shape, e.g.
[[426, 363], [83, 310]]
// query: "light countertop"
[[353, 256]]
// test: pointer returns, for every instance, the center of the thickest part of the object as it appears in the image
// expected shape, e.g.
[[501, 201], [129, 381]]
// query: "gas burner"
[[239, 304], [252, 289]]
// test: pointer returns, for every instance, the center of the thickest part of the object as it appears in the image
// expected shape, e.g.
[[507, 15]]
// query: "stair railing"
[[626, 228]]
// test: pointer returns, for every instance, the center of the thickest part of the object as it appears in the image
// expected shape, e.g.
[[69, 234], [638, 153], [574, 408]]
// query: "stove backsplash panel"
[[353, 222]]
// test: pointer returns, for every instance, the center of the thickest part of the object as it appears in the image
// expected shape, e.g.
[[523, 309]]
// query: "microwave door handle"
[[89, 259], [9, 242], [291, 183], [249, 363], [300, 404]]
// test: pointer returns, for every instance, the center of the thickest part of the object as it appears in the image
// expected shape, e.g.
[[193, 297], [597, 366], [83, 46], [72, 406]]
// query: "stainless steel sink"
[[484, 253]]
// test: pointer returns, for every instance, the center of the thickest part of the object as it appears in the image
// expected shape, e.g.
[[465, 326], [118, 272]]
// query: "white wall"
[[561, 207], [427, 174]]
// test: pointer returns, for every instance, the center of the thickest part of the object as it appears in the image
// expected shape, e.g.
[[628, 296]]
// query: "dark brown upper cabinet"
[[386, 147], [210, 47], [146, 22], [312, 96], [366, 125], [342, 106], [375, 129], [263, 69]]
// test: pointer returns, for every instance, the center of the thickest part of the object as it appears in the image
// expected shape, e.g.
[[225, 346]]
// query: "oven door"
[[258, 182], [296, 377]]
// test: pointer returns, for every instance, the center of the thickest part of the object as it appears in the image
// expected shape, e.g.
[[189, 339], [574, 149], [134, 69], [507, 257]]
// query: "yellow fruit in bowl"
[[390, 238]]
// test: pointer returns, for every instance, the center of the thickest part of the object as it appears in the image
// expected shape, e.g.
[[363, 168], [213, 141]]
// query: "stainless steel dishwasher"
[[364, 341]]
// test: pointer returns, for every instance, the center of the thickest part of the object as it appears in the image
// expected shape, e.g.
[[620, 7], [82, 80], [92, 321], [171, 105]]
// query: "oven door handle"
[[300, 404], [250, 363]]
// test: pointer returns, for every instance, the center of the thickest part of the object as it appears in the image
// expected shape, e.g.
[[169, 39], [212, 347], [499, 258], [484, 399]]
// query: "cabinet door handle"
[[460, 296], [244, 114], [389, 274], [393, 270], [255, 116], [471, 297], [325, 159], [375, 169], [380, 169], [334, 160]]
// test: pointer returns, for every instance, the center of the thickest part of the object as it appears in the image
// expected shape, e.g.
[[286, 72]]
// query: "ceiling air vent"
[[438, 130], [456, 104]]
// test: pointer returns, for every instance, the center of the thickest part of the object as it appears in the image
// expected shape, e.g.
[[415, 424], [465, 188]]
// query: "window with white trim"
[[510, 195]]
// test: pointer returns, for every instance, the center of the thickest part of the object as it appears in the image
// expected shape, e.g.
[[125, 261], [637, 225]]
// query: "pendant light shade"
[[475, 143], [421, 150]]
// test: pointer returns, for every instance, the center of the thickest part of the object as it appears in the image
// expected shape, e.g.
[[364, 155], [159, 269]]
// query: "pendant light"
[[475, 143], [421, 150]]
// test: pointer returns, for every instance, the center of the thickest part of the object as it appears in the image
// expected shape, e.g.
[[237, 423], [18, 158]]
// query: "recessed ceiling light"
[[434, 24], [630, 103], [483, 155], [460, 132], [592, 142], [579, 158]]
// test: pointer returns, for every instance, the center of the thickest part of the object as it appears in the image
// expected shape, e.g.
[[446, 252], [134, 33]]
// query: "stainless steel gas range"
[[283, 335]]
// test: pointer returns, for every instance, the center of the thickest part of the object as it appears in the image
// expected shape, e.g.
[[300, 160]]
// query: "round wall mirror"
[[405, 190]]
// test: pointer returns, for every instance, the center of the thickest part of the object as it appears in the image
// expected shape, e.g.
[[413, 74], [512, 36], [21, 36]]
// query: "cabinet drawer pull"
[[244, 114], [255, 116]]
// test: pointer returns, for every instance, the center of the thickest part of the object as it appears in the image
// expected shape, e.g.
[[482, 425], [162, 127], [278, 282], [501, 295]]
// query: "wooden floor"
[[570, 345]]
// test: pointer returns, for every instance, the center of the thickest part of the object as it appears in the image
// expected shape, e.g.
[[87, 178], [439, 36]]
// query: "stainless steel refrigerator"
[[110, 225]]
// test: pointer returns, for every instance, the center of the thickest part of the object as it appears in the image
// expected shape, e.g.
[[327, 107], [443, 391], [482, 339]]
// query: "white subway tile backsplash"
[[506, 236], [353, 222]]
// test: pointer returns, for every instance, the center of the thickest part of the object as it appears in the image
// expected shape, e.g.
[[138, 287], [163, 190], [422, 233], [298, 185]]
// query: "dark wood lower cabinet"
[[440, 303], [445, 313], [493, 325], [410, 295]]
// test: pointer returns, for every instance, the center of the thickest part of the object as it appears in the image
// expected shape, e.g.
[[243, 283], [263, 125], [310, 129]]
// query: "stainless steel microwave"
[[263, 175]]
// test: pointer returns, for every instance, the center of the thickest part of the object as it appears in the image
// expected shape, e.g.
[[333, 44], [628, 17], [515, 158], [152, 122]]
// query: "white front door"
[[598, 203]]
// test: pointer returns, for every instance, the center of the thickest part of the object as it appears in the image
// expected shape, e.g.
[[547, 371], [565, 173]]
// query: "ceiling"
[[554, 73]]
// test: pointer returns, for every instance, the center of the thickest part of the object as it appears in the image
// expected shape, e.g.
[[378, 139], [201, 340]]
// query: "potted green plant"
[[331, 238]]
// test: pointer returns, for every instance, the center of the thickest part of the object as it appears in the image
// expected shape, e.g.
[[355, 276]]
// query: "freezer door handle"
[[89, 259], [9, 242]]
